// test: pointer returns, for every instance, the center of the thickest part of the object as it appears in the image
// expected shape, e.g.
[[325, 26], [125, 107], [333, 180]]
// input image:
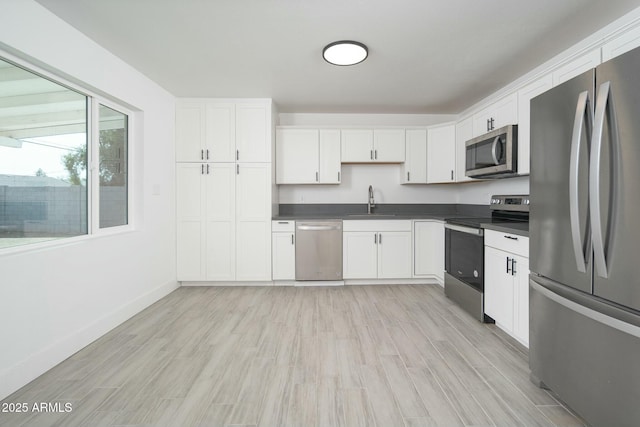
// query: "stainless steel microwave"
[[494, 154]]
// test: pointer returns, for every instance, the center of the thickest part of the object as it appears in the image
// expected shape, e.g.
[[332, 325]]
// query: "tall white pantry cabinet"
[[224, 178]]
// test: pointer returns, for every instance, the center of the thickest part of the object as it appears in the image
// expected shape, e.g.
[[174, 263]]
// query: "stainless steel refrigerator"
[[585, 242]]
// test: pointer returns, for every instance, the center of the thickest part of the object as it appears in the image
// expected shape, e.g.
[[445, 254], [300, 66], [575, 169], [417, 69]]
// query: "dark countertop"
[[438, 212], [518, 228]]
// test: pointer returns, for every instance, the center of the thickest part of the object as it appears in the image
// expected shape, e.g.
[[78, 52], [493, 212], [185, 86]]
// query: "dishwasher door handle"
[[311, 227]]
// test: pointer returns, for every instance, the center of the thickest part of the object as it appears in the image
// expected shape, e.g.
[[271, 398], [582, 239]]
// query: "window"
[[46, 145], [113, 167]]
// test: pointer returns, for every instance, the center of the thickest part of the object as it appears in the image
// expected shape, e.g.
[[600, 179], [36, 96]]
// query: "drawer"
[[283, 226], [377, 225], [507, 242]]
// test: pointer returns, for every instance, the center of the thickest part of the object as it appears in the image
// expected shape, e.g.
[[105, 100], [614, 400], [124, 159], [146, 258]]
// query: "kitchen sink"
[[373, 215]]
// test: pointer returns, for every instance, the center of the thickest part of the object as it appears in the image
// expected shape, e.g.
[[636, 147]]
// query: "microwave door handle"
[[494, 150], [583, 109]]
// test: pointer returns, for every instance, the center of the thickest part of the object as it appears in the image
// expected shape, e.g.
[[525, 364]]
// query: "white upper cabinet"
[[307, 156], [500, 113], [330, 168], [220, 131], [414, 170], [253, 139], [524, 119], [577, 66], [297, 156], [441, 154], [464, 132], [621, 44], [357, 145], [190, 131], [373, 146], [388, 145]]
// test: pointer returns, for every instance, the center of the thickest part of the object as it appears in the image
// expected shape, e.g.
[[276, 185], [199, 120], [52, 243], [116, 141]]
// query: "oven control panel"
[[518, 203]]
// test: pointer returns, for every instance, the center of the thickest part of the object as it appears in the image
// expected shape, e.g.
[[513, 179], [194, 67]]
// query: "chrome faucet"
[[371, 203]]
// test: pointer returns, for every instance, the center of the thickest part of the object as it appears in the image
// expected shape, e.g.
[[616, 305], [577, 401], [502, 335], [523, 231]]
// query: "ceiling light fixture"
[[345, 52]]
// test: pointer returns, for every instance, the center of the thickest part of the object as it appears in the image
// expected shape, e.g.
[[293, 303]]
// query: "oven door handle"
[[468, 230]]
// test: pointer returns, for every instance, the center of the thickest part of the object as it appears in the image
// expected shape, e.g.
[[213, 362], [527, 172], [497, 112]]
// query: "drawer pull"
[[510, 237]]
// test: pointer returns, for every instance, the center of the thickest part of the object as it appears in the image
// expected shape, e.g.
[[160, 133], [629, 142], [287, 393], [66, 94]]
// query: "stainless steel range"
[[464, 251]]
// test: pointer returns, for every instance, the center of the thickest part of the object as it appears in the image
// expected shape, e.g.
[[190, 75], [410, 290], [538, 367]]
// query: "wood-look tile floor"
[[273, 356]]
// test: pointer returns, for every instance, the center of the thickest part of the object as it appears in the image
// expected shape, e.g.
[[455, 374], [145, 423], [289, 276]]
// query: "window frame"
[[94, 100]]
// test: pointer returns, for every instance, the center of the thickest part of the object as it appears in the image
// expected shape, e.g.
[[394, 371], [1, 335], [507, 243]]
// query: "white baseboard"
[[391, 282], [227, 283], [25, 371], [311, 283]]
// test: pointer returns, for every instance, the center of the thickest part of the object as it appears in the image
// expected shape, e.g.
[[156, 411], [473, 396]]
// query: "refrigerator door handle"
[[603, 102], [583, 108]]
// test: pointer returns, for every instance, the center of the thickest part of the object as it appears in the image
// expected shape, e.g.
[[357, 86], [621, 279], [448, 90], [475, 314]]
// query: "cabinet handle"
[[201, 154], [237, 169], [508, 259], [488, 125], [338, 176], [207, 169], [237, 154], [380, 238], [408, 177], [292, 240], [510, 237], [513, 266], [375, 238], [207, 154], [201, 169], [376, 156], [371, 154], [492, 125], [317, 177], [283, 222], [452, 175]]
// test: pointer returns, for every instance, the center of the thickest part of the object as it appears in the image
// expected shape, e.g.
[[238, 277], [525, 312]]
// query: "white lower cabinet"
[[428, 250], [283, 250], [224, 221], [506, 283], [376, 249]]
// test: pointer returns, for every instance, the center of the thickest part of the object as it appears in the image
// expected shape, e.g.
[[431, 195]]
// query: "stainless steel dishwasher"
[[319, 250]]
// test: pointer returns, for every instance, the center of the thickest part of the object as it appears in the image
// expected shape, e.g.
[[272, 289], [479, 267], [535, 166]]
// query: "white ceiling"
[[425, 56]]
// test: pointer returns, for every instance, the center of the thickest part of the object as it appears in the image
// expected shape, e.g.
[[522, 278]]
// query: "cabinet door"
[[220, 131], [190, 224], [394, 255], [524, 119], [428, 249], [388, 145], [190, 131], [357, 145], [501, 113], [521, 285], [360, 255], [330, 169], [253, 191], [253, 132], [464, 132], [415, 164], [297, 156], [220, 221], [498, 287], [576, 67], [253, 221], [284, 256], [441, 154]]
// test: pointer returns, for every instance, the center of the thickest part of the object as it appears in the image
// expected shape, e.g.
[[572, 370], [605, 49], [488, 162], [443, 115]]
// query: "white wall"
[[56, 300], [479, 193]]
